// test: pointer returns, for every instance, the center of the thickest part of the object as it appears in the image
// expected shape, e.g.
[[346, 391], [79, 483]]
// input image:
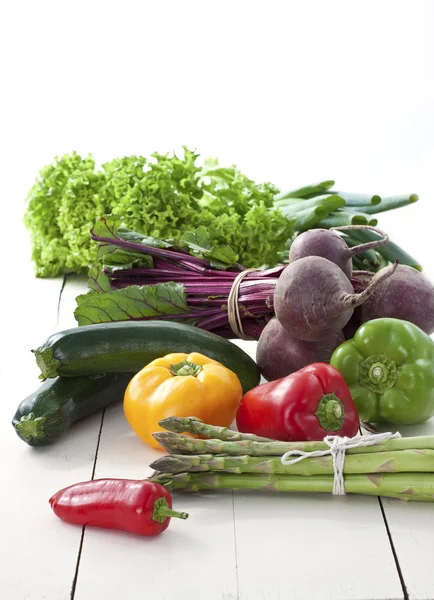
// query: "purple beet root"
[[314, 299], [325, 243], [408, 295], [279, 353], [353, 324], [330, 245]]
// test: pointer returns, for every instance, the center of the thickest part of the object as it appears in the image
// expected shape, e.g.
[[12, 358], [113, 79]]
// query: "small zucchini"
[[128, 346], [46, 414]]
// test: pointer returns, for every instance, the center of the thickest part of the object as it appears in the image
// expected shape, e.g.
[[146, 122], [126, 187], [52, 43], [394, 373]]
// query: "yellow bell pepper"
[[181, 385]]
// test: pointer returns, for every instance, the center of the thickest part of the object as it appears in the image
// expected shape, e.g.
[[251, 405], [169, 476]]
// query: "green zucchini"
[[46, 414], [128, 346]]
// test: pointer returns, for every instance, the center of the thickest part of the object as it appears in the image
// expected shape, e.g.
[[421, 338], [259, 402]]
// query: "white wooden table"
[[246, 546]]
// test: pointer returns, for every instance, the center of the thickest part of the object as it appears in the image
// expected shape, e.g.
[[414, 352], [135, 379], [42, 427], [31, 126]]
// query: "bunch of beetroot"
[[317, 306]]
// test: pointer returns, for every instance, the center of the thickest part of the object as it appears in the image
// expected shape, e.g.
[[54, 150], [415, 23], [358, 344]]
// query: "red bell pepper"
[[306, 405], [140, 507]]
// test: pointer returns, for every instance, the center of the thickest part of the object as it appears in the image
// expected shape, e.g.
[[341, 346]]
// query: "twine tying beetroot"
[[234, 316]]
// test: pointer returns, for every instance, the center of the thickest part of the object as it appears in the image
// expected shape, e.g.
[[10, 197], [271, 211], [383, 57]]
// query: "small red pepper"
[[140, 507], [307, 405]]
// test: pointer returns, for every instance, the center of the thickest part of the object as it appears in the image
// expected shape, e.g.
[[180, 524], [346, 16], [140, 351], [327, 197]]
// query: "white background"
[[292, 92]]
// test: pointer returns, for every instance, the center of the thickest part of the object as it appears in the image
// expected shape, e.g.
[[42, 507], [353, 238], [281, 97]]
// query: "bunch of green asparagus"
[[398, 468]]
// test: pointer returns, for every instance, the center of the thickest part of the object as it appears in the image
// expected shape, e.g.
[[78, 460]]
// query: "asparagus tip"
[[163, 435], [178, 424], [170, 464]]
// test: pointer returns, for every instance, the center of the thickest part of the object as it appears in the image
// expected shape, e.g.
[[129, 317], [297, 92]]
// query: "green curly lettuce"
[[164, 197], [81, 202], [157, 197], [49, 248]]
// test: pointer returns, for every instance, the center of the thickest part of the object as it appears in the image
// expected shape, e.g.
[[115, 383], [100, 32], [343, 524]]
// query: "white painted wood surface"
[[37, 556], [412, 528], [246, 546]]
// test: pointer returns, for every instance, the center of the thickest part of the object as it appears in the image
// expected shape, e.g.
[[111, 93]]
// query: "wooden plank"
[[197, 555], [312, 546], [115, 564], [38, 552], [411, 527]]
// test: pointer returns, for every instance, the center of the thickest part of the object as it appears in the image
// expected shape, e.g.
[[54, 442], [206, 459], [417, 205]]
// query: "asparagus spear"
[[198, 427], [406, 486], [377, 462], [184, 444]]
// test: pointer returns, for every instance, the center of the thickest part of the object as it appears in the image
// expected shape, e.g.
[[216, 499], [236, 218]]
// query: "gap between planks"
[[392, 545], [60, 300], [395, 555], [83, 531], [80, 546], [235, 545]]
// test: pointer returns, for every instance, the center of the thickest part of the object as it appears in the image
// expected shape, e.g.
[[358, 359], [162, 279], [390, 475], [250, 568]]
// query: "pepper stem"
[[330, 412], [378, 373], [185, 368], [162, 511], [168, 512]]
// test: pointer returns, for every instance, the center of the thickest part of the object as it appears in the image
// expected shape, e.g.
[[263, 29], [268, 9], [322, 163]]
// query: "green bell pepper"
[[389, 368]]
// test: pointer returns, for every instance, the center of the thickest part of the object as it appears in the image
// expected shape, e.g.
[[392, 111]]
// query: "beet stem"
[[353, 300], [367, 245]]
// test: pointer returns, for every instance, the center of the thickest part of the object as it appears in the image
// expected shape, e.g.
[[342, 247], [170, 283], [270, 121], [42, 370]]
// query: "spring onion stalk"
[[364, 264], [369, 259], [291, 208], [307, 213], [388, 203], [307, 191], [390, 251], [347, 217], [360, 200], [309, 218]]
